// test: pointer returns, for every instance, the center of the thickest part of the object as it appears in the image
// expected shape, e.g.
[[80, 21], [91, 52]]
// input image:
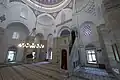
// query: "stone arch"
[[65, 32], [14, 15], [44, 15], [89, 46], [65, 14], [62, 29], [86, 22], [68, 13], [46, 19], [16, 23], [20, 24], [87, 32], [16, 31]]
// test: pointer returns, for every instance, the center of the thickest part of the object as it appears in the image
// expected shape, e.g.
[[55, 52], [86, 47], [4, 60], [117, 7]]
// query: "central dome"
[[47, 2], [47, 5]]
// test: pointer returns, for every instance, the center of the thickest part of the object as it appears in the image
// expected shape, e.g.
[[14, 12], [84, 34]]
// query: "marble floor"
[[48, 71]]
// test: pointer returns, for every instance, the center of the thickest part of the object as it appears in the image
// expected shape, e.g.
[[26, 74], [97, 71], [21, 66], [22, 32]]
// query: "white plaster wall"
[[2, 10], [68, 15], [13, 12], [23, 32], [2, 34], [58, 29], [79, 17], [8, 41]]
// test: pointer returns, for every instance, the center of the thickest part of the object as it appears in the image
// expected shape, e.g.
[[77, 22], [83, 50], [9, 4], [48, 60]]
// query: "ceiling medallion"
[[47, 5]]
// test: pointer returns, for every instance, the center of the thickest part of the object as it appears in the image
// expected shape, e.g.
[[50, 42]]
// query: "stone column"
[[104, 50]]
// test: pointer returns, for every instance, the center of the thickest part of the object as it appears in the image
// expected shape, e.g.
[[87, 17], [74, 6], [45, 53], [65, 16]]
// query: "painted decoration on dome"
[[48, 2], [48, 6]]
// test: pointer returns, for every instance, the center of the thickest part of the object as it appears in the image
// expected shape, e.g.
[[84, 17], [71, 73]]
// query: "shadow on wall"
[[72, 41]]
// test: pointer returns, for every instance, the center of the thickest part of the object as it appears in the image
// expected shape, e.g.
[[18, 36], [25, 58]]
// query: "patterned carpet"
[[96, 71]]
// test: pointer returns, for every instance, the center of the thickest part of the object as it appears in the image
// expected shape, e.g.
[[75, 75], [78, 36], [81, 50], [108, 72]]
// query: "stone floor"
[[48, 71]]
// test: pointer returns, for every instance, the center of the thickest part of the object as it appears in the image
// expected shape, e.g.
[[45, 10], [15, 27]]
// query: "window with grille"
[[87, 30], [91, 57]]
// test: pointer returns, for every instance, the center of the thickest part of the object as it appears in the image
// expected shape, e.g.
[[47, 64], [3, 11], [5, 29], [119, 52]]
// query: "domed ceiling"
[[47, 2], [47, 5]]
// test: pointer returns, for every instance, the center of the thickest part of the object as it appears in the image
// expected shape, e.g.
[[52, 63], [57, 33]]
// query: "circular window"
[[47, 5]]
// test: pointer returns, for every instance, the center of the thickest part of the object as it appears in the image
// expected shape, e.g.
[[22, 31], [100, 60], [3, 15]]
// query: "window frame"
[[91, 62], [15, 35], [114, 47]]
